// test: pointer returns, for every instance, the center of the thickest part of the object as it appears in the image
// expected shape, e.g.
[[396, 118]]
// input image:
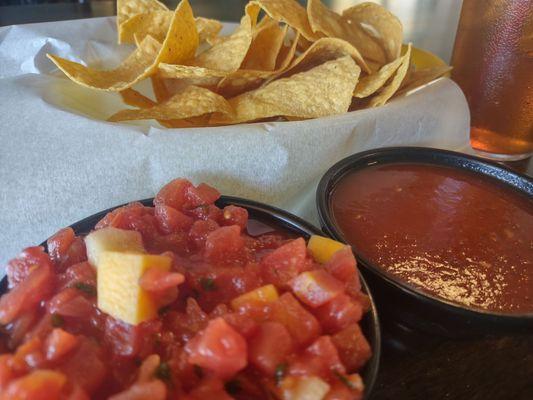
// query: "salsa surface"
[[449, 232], [245, 312]]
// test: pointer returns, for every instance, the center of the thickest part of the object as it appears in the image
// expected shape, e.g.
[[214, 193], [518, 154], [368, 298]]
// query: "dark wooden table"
[[414, 365]]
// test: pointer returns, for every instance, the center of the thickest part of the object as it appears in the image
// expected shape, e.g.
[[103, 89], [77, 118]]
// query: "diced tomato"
[[154, 390], [27, 294], [338, 313], [84, 367], [119, 216], [342, 265], [316, 288], [148, 367], [353, 347], [133, 216], [173, 194], [224, 244], [269, 347], [71, 302], [284, 263], [324, 349], [171, 220], [233, 215], [219, 348], [59, 244], [74, 254], [320, 359], [300, 323], [242, 322], [19, 268], [205, 212], [176, 242], [20, 326], [78, 273], [77, 393], [202, 194], [156, 280], [37, 385], [199, 231], [127, 340], [28, 355], [58, 344], [6, 371], [209, 388]]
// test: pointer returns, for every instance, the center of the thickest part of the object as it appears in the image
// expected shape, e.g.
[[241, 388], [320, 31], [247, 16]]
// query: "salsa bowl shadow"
[[397, 300], [277, 219]]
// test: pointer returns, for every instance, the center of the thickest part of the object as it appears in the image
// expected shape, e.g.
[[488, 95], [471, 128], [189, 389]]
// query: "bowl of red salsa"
[[445, 239], [190, 295]]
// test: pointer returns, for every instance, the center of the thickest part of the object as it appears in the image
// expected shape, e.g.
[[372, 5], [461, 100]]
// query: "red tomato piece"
[[219, 348], [203, 194], [77, 393], [224, 244], [200, 230], [19, 268], [269, 347], [338, 313], [157, 280], [119, 216], [284, 263], [71, 303], [127, 340], [171, 220], [58, 344], [84, 367], [209, 388], [78, 273], [353, 347], [20, 326], [59, 244], [342, 265], [326, 351], [176, 242], [37, 385], [243, 323], [233, 215], [6, 372], [300, 323], [27, 294], [316, 288], [173, 194], [154, 390], [209, 211]]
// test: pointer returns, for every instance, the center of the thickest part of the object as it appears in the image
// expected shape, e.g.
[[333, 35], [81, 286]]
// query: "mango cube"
[[111, 239], [119, 292], [263, 295], [322, 248]]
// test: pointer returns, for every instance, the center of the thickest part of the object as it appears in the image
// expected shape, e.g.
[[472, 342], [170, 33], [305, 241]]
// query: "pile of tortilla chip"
[[282, 62]]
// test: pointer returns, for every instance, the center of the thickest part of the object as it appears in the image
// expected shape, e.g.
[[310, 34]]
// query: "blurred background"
[[429, 24]]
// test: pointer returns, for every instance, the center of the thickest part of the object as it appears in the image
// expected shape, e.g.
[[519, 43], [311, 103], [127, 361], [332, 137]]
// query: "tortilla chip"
[[380, 24], [191, 102], [156, 24], [388, 90], [372, 83], [422, 77], [422, 59], [128, 8], [188, 71], [243, 80], [179, 45], [265, 46], [161, 92], [291, 13], [328, 22], [322, 50], [321, 91], [133, 98], [228, 53]]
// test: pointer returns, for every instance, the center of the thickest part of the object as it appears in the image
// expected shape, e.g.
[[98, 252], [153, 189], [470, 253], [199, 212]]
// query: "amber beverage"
[[493, 64]]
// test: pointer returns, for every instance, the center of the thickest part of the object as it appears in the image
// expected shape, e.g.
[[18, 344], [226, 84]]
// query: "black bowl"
[[275, 218], [396, 300]]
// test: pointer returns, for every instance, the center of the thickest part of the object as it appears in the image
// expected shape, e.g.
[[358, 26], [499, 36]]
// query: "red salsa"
[[449, 232], [243, 315]]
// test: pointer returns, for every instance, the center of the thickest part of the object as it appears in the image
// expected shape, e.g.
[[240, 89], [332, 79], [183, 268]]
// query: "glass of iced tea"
[[493, 65]]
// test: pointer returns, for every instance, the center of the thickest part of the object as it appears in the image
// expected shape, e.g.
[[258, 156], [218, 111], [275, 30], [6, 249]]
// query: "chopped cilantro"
[[279, 374], [57, 320], [86, 288], [344, 380], [162, 372], [208, 284], [233, 386]]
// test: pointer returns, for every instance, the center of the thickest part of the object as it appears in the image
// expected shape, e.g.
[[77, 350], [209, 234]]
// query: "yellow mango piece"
[[262, 295], [322, 248], [111, 239], [119, 292]]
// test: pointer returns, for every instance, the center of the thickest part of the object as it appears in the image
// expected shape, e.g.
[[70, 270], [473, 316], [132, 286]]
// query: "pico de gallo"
[[180, 301]]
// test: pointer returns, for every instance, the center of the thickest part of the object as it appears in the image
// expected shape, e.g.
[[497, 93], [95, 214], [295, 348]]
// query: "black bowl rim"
[[285, 220], [335, 173]]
